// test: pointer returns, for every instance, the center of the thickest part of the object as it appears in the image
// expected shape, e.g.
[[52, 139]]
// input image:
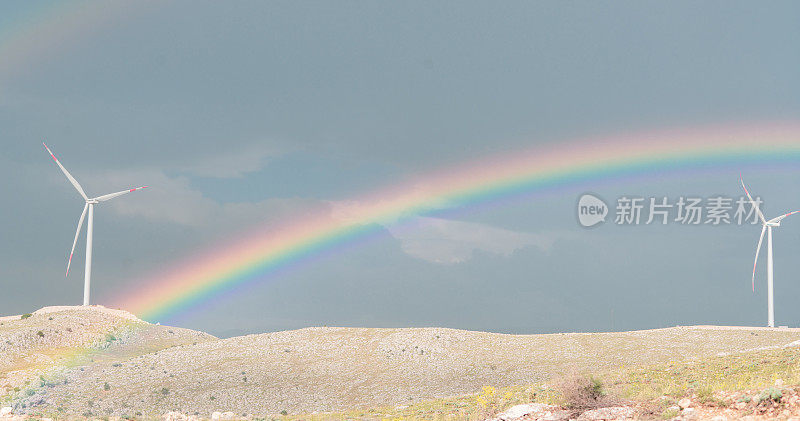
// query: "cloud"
[[231, 163], [439, 240], [448, 242], [172, 199]]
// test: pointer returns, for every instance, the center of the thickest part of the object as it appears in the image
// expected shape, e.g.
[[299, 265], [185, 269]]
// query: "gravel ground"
[[150, 370]]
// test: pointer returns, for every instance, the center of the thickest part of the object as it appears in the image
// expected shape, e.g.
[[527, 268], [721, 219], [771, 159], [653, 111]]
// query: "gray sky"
[[245, 114]]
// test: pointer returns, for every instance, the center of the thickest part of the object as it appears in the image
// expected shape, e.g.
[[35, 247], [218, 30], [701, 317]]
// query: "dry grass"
[[744, 371], [581, 392], [408, 373], [704, 377]]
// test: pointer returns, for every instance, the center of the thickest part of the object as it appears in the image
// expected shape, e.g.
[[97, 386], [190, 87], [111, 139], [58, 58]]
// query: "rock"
[[778, 382], [685, 403], [173, 416], [533, 411], [610, 413], [5, 411], [688, 413], [740, 405], [674, 408], [519, 411], [719, 418], [228, 416], [216, 416]]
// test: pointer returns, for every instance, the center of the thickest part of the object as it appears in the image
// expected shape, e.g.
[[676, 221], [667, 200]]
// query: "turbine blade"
[[69, 176], [758, 211], [780, 218], [77, 233], [110, 196], [758, 248]]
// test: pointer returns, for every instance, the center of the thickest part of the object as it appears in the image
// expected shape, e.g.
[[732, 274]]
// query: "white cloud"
[[439, 240], [173, 199], [446, 241], [230, 163]]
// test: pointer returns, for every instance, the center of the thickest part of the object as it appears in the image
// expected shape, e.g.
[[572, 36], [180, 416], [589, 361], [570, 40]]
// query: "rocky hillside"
[[98, 362], [56, 340]]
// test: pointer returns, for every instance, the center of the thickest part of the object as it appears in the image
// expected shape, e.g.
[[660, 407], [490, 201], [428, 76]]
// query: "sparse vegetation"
[[670, 413], [771, 394], [582, 392], [745, 371], [25, 316], [617, 359]]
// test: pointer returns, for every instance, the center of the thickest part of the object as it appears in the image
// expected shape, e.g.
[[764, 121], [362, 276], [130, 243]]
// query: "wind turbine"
[[90, 202], [766, 226]]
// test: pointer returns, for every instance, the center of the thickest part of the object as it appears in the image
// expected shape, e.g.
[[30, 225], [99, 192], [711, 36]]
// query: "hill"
[[101, 362]]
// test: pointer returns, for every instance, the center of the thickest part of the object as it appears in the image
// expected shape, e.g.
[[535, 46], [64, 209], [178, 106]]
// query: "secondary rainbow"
[[41, 30], [258, 256]]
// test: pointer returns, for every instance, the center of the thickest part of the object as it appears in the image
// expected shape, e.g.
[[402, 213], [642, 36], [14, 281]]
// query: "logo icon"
[[592, 210]]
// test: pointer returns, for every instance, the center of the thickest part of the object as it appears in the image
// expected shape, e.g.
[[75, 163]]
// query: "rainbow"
[[41, 30], [263, 254]]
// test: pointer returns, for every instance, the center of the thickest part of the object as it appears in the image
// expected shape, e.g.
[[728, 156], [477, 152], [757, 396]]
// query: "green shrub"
[[106, 386], [669, 414], [771, 394], [40, 334], [581, 392], [25, 316]]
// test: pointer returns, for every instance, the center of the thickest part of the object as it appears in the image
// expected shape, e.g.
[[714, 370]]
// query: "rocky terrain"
[[776, 403], [96, 362]]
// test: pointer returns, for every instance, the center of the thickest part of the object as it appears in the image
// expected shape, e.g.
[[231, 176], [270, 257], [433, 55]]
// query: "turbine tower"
[[89, 205], [766, 225]]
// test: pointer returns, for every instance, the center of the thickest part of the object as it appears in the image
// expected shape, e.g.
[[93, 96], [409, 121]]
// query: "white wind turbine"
[[90, 202], [766, 226]]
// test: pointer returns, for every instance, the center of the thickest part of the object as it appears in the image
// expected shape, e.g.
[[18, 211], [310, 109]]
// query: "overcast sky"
[[245, 114]]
